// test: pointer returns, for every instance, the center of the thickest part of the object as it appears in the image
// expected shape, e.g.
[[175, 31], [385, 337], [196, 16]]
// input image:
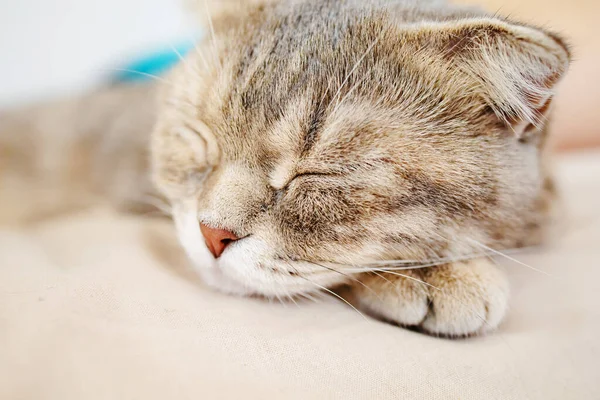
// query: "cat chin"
[[242, 278], [250, 269], [215, 279]]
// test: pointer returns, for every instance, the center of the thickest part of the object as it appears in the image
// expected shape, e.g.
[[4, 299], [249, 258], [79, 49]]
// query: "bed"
[[100, 305]]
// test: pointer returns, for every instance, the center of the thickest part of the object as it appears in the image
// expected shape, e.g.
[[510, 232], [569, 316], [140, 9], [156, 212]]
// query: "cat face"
[[322, 142]]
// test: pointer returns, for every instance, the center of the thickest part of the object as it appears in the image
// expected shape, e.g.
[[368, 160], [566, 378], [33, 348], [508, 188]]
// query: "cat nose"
[[217, 239]]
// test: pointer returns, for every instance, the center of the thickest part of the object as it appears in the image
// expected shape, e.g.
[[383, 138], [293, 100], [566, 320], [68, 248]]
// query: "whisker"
[[382, 277], [339, 297], [421, 266], [349, 277], [406, 268], [420, 263], [394, 262], [341, 102], [309, 296], [327, 290], [411, 278], [283, 303], [508, 257], [291, 298], [183, 60], [324, 95], [177, 53], [199, 51], [132, 71], [360, 60], [212, 33]]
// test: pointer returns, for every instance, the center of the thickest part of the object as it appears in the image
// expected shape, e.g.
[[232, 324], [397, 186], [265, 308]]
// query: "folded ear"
[[516, 67]]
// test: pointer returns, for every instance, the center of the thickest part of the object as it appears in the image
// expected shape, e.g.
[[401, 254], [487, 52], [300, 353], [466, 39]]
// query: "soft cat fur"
[[346, 143]]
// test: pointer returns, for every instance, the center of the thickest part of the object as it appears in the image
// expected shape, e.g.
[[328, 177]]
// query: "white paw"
[[455, 300]]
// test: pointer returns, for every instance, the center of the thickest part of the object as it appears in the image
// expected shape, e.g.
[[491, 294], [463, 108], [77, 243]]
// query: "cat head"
[[310, 140]]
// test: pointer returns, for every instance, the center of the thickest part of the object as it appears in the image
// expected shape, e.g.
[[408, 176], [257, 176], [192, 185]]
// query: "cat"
[[385, 146]]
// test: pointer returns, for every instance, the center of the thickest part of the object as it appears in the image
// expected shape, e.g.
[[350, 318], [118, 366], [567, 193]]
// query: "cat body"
[[385, 145]]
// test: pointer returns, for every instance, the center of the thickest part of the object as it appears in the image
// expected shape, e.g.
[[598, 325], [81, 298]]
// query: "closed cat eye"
[[304, 174], [310, 174]]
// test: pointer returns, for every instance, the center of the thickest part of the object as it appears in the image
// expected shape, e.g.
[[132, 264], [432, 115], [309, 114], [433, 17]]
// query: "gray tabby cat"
[[382, 145]]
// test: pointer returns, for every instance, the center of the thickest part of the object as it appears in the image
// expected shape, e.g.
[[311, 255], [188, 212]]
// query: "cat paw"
[[454, 300]]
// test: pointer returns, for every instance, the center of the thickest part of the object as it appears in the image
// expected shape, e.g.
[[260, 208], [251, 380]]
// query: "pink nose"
[[217, 239]]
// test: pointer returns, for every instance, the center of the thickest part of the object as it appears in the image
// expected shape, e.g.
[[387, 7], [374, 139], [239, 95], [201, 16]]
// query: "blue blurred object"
[[156, 63]]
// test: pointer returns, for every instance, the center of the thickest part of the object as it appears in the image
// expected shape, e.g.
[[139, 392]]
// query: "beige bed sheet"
[[101, 306]]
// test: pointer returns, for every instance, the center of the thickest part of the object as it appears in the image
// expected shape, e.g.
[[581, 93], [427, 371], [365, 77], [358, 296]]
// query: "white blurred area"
[[51, 48]]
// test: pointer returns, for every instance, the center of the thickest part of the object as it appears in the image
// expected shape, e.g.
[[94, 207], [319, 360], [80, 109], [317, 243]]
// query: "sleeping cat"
[[389, 146]]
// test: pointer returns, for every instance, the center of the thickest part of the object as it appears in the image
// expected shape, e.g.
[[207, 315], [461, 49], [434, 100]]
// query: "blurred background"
[[54, 48]]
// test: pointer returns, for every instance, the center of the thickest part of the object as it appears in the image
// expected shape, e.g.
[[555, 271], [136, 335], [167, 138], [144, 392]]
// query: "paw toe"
[[405, 303], [456, 320], [473, 300]]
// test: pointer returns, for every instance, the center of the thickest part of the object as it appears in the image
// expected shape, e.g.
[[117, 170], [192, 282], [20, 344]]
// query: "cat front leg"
[[453, 300]]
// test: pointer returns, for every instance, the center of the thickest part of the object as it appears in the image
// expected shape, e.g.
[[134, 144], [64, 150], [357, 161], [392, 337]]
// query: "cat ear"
[[516, 67]]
